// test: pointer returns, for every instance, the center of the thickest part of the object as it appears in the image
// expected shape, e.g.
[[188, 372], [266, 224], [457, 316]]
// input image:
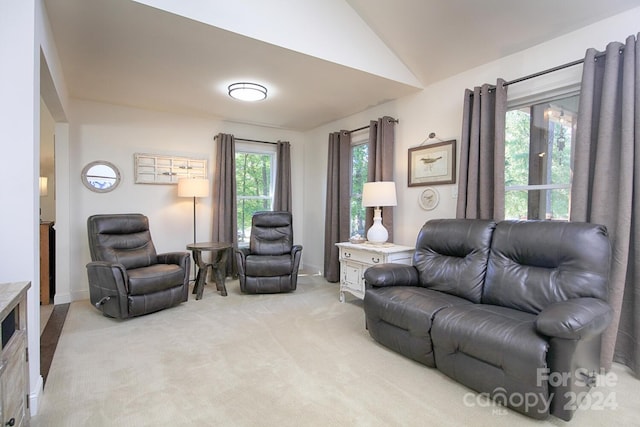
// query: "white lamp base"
[[377, 234]]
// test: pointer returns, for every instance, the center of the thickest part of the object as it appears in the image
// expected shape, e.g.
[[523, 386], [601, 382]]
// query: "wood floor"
[[49, 337]]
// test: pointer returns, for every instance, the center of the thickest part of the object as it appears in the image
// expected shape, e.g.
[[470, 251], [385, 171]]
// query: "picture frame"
[[167, 169], [433, 164]]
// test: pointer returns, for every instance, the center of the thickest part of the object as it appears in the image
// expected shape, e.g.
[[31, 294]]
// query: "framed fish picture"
[[432, 164]]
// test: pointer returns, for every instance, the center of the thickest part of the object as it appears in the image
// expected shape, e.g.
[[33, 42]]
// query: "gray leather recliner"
[[270, 263], [126, 276]]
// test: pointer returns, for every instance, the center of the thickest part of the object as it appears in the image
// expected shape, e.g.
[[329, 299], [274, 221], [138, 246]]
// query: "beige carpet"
[[299, 359]]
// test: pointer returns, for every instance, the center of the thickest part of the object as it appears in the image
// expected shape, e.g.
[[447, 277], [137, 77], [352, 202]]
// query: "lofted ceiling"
[[322, 60]]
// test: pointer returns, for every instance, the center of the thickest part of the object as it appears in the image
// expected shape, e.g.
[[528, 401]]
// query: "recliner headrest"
[[271, 219], [118, 223]]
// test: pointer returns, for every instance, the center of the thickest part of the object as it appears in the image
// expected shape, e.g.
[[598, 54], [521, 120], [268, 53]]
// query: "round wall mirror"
[[101, 176]]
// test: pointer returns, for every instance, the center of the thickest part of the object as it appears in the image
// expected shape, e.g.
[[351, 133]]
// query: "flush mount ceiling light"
[[245, 91]]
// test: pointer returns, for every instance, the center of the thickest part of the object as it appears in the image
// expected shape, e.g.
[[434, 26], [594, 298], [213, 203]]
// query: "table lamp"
[[376, 195], [193, 187]]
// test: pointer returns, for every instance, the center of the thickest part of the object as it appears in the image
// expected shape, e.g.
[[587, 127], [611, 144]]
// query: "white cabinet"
[[14, 369], [356, 258]]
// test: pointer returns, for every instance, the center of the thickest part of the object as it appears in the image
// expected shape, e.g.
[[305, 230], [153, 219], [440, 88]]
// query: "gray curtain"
[[380, 166], [606, 183], [282, 193], [481, 176], [225, 217], [337, 213]]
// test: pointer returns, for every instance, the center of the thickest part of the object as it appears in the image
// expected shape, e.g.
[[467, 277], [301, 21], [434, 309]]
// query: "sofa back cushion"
[[451, 256], [534, 264], [121, 238]]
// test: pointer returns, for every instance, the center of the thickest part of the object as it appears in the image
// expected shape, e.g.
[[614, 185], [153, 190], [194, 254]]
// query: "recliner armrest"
[[178, 258], [243, 252], [117, 270], [578, 318], [391, 275], [110, 280], [295, 249]]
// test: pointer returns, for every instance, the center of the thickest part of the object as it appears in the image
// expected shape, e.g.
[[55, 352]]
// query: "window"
[[539, 160], [359, 168], [255, 178]]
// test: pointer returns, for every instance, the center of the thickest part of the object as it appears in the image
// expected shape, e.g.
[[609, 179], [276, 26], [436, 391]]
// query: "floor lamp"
[[193, 187], [378, 194]]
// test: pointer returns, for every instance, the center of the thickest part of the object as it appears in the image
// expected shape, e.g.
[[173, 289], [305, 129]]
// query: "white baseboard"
[[70, 297], [311, 270]]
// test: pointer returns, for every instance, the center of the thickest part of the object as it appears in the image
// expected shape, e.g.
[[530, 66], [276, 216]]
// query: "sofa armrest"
[[391, 275], [578, 318]]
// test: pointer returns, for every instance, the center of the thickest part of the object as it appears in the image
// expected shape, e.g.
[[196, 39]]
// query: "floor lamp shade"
[[376, 195], [193, 187]]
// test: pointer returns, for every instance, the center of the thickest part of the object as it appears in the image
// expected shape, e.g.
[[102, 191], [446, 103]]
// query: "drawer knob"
[[375, 260], [347, 255], [11, 422]]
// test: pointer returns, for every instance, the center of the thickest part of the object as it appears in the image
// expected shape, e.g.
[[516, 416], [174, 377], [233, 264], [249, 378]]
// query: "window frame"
[[360, 139], [259, 149], [530, 101]]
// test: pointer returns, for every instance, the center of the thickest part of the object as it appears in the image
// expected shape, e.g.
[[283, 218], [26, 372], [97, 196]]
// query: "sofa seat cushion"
[[494, 350], [154, 278], [268, 265], [399, 317]]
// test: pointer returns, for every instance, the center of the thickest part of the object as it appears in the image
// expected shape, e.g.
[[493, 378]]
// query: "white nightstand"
[[356, 258]]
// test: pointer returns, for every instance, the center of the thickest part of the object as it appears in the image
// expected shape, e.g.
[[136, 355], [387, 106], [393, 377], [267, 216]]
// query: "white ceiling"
[[321, 59]]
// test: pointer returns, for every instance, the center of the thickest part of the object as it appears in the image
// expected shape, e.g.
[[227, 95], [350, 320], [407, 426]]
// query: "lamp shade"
[[193, 187], [380, 193]]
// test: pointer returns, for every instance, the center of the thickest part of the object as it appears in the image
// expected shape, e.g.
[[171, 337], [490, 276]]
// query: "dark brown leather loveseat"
[[514, 310]]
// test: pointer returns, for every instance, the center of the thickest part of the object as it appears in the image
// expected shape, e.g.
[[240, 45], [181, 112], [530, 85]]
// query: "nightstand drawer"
[[364, 257], [401, 258]]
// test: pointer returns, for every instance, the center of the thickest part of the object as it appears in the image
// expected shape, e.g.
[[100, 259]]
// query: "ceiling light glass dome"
[[246, 91]]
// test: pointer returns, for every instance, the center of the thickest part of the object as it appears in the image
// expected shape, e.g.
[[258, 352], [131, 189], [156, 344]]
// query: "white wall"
[[19, 120], [439, 109], [114, 133]]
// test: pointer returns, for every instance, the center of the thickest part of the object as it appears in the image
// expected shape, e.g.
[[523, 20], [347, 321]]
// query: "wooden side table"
[[355, 258], [219, 255]]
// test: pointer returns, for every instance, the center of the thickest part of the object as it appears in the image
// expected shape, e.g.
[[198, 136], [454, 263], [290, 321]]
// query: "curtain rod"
[[542, 73], [367, 127], [256, 140], [558, 68], [250, 140]]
